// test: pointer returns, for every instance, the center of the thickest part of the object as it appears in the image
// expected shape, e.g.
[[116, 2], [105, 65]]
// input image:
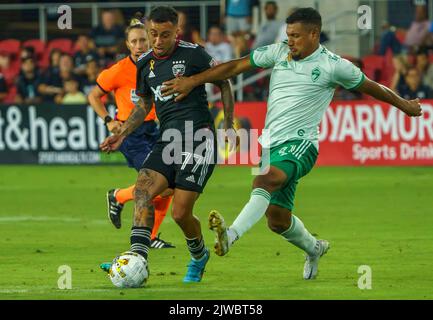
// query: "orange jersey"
[[121, 78]]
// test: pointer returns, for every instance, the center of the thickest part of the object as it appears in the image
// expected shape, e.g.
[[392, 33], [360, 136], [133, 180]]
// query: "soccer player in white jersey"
[[303, 81]]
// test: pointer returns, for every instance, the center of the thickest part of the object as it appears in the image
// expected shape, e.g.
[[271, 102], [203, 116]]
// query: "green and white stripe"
[[301, 148], [261, 192]]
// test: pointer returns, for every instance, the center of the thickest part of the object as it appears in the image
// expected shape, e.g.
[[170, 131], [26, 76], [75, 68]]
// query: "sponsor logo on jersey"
[[151, 74], [158, 95]]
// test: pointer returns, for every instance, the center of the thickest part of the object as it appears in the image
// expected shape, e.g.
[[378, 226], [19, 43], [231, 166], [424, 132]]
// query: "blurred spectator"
[[72, 93], [418, 32], [282, 34], [6, 68], [55, 55], [238, 16], [3, 88], [412, 87], [5, 61], [89, 81], [27, 52], [388, 40], [401, 67], [424, 67], [217, 48], [241, 48], [187, 32], [107, 35], [52, 84], [28, 81], [84, 54], [269, 30]]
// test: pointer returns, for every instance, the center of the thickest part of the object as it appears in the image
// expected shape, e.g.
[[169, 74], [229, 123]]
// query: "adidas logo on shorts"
[[190, 179]]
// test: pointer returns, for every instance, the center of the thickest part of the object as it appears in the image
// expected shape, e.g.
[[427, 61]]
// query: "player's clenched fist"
[[412, 108], [112, 143]]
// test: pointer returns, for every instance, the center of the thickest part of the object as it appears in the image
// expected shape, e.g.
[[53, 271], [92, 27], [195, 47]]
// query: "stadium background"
[[377, 216]]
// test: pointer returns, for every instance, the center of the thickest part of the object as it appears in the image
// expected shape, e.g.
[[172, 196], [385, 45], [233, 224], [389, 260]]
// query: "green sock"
[[298, 235]]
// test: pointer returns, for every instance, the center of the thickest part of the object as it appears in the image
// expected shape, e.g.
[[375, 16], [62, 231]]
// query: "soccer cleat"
[[158, 243], [312, 262], [106, 266], [196, 268], [217, 225], [114, 209]]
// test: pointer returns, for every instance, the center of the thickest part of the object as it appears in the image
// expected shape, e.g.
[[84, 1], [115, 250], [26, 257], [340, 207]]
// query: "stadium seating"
[[37, 45], [63, 44], [11, 47]]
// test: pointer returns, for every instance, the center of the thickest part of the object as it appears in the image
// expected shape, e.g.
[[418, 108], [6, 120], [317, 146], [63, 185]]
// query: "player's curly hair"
[[137, 22], [307, 16]]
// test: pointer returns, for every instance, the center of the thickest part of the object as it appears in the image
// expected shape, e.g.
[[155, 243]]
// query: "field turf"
[[380, 217]]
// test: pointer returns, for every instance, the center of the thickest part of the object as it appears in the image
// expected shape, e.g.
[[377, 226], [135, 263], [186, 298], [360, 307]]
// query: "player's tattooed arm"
[[134, 120], [412, 108], [137, 116], [228, 101], [229, 105]]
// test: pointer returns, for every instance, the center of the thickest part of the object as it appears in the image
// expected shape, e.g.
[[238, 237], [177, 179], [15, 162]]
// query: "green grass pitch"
[[380, 217]]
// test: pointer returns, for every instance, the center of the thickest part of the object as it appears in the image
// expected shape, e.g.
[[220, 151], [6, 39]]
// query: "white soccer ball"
[[129, 270]]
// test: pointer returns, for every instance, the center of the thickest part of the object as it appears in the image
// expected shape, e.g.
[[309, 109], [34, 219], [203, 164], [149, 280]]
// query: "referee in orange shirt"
[[121, 78]]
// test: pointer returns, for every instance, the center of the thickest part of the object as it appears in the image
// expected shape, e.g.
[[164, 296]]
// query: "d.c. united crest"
[[178, 68]]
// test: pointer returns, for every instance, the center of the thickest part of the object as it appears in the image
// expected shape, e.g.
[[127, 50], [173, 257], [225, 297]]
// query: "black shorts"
[[186, 164]]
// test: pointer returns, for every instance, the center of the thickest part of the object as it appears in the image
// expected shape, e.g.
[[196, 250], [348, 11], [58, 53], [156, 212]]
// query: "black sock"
[[140, 240], [196, 247]]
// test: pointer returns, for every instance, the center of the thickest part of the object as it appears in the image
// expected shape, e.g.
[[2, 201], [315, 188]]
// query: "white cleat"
[[311, 266], [217, 225]]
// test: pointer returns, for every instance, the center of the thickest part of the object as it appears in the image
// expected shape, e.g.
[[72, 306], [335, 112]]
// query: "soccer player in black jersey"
[[184, 156]]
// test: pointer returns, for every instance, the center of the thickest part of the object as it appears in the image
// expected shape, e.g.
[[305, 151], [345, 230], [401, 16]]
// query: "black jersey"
[[187, 59]]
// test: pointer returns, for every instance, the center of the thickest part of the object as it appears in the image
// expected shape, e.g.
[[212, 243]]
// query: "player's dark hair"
[[137, 22], [307, 16], [163, 14]]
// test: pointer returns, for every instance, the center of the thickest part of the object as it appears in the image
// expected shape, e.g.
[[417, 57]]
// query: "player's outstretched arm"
[[412, 108], [95, 100], [184, 85], [135, 119]]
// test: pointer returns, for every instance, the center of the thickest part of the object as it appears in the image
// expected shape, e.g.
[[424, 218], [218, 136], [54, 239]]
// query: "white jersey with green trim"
[[301, 90]]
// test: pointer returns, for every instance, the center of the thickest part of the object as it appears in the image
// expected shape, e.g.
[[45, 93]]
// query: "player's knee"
[[279, 221], [270, 182], [277, 226], [179, 213]]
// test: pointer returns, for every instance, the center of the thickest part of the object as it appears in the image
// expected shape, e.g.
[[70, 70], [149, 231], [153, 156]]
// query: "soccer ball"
[[129, 270]]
